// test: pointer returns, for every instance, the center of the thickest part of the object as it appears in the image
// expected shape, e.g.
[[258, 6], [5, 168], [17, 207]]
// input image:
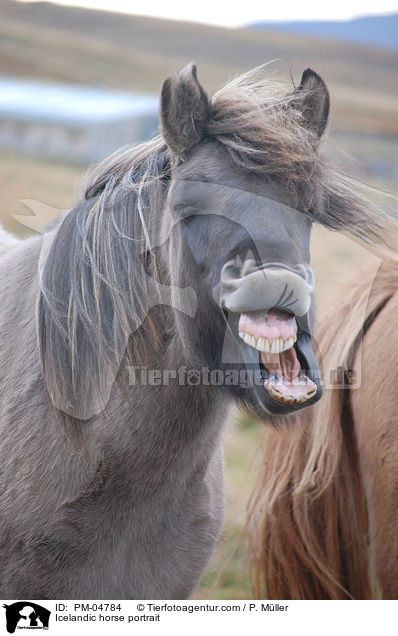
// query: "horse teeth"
[[250, 340], [288, 344], [263, 345], [275, 346]]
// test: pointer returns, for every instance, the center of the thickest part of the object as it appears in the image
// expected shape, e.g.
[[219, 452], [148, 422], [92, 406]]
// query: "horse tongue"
[[285, 383], [284, 364]]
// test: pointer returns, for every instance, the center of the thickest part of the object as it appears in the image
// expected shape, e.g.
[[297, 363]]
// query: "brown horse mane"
[[308, 516]]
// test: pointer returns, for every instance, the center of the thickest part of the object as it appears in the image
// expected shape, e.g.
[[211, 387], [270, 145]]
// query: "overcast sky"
[[236, 13]]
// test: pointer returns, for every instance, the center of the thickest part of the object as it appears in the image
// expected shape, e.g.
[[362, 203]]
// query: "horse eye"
[[179, 207], [184, 208]]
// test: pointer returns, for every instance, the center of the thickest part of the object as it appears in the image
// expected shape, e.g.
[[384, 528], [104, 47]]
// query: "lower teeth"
[[282, 394]]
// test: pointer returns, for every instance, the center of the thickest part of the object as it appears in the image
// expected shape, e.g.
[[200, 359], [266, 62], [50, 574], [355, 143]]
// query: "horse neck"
[[166, 431]]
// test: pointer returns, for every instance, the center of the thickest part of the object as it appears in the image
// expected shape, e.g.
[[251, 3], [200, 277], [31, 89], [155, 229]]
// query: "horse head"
[[241, 204]]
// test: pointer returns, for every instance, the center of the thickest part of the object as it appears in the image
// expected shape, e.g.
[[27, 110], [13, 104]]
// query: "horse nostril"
[[231, 266]]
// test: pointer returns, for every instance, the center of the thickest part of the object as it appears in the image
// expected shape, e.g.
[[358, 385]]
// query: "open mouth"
[[274, 334]]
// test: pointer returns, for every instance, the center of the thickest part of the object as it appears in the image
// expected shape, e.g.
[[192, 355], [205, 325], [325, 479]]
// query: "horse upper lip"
[[246, 287]]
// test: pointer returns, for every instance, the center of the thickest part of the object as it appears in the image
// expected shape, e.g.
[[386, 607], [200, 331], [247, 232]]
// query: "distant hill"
[[98, 48], [381, 30]]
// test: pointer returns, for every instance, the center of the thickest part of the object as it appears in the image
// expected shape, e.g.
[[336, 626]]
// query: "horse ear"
[[184, 111], [312, 98]]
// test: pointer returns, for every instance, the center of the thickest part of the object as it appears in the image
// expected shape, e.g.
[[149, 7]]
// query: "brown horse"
[[325, 514]]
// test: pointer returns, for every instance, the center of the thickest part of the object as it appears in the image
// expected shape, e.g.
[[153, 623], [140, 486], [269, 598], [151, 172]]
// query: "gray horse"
[[177, 286]]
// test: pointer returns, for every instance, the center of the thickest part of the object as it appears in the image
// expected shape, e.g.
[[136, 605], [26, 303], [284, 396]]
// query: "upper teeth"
[[277, 345]]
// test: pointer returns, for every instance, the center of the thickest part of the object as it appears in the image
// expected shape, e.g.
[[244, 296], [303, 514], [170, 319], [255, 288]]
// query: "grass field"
[[74, 45]]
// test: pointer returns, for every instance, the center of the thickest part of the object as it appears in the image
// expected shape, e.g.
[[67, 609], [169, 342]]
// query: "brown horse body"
[[325, 515]]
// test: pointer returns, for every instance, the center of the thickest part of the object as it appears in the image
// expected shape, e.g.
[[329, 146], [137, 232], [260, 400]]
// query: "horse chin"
[[270, 392]]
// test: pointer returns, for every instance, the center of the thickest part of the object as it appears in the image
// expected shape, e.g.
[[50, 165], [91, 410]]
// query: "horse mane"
[[94, 291], [308, 516]]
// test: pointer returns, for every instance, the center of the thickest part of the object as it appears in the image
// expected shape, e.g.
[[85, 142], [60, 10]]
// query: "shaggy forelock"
[[256, 120]]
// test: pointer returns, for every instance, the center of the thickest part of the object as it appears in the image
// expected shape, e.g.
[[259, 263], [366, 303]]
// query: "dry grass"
[[28, 178]]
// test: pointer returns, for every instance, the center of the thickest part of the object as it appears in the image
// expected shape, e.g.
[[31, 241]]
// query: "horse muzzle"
[[268, 308]]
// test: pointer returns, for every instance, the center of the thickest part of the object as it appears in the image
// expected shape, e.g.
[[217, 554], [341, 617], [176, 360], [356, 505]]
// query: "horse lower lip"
[[300, 390], [286, 381]]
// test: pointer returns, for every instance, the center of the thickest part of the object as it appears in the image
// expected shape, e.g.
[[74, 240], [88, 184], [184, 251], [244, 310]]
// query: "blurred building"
[[72, 123]]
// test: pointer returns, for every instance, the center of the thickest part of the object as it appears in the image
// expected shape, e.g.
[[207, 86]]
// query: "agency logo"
[[26, 615]]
